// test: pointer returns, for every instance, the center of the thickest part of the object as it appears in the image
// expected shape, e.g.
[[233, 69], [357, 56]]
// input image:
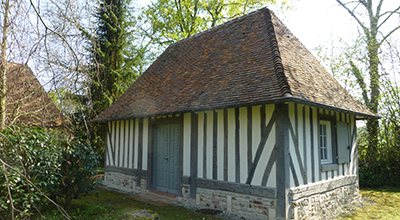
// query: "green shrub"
[[381, 167], [50, 160], [78, 165]]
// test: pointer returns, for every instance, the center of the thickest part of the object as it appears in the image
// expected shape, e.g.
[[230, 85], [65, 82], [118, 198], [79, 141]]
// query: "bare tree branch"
[[388, 35], [387, 18], [354, 16], [56, 33], [63, 212]]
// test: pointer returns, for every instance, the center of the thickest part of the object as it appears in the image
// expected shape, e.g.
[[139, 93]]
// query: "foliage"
[[165, 22], [371, 19], [383, 168], [78, 164], [367, 68], [110, 75], [111, 67], [42, 162], [35, 153]]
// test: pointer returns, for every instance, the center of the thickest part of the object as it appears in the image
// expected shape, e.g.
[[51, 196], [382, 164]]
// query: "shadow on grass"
[[114, 205]]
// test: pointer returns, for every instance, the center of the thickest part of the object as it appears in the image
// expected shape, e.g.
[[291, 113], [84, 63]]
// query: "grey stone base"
[[325, 200], [123, 182], [322, 200], [247, 206]]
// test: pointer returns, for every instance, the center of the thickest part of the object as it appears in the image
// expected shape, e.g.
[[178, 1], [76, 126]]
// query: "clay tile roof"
[[27, 101], [252, 59]]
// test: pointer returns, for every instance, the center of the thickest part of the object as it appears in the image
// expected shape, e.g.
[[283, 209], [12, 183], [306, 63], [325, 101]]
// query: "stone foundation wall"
[[327, 204], [247, 206], [322, 200], [123, 182]]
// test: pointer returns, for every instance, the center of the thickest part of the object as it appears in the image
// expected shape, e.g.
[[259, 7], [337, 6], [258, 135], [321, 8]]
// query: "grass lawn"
[[381, 204], [114, 205]]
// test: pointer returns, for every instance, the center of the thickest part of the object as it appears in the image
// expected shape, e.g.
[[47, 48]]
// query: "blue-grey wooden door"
[[166, 158]]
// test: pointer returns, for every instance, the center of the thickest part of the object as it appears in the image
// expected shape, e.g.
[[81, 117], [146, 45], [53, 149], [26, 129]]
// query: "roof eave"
[[361, 116]]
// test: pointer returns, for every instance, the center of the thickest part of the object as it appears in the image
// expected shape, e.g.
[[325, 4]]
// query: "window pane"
[[322, 153], [325, 141]]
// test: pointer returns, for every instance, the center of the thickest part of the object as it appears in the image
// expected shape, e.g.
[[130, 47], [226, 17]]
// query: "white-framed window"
[[325, 140]]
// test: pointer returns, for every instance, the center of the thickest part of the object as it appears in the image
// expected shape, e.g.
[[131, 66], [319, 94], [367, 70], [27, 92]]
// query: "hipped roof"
[[27, 102], [250, 60]]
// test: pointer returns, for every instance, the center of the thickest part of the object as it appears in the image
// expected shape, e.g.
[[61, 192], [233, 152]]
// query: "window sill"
[[328, 167]]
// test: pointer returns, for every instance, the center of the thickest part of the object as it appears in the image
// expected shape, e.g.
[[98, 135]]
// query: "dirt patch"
[[157, 199], [142, 214]]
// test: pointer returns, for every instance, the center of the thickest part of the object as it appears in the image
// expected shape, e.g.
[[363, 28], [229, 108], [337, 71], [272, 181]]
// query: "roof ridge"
[[276, 57]]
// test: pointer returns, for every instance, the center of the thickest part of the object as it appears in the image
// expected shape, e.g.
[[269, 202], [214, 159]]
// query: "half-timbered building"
[[240, 118]]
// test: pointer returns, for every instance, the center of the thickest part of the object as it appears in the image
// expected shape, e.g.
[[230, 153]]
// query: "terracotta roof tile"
[[27, 101], [251, 59]]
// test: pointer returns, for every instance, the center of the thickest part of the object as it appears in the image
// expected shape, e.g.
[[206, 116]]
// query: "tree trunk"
[[67, 188], [3, 67], [373, 68]]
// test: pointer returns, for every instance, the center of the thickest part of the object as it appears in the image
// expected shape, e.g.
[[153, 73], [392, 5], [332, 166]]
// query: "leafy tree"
[[110, 70], [110, 74], [371, 19], [368, 68], [165, 22]]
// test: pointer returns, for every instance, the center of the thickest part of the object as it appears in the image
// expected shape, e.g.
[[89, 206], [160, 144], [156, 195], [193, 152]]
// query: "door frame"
[[150, 159]]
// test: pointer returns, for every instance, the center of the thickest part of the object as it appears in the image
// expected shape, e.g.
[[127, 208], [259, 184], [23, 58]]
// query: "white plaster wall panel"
[[301, 135], [256, 131], [341, 169], [291, 146], [315, 157], [353, 158], [308, 143], [126, 143], [269, 111], [136, 144], [210, 119], [131, 142], [265, 155], [220, 144], [272, 178], [186, 143], [108, 158], [121, 143], [271, 143], [231, 146], [118, 153], [200, 144], [145, 143], [243, 144]]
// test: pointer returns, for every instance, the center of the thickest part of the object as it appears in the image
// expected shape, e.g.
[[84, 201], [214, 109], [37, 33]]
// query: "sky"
[[319, 22]]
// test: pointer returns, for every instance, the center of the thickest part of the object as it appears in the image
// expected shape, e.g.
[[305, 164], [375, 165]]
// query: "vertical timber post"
[[193, 155], [282, 162]]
